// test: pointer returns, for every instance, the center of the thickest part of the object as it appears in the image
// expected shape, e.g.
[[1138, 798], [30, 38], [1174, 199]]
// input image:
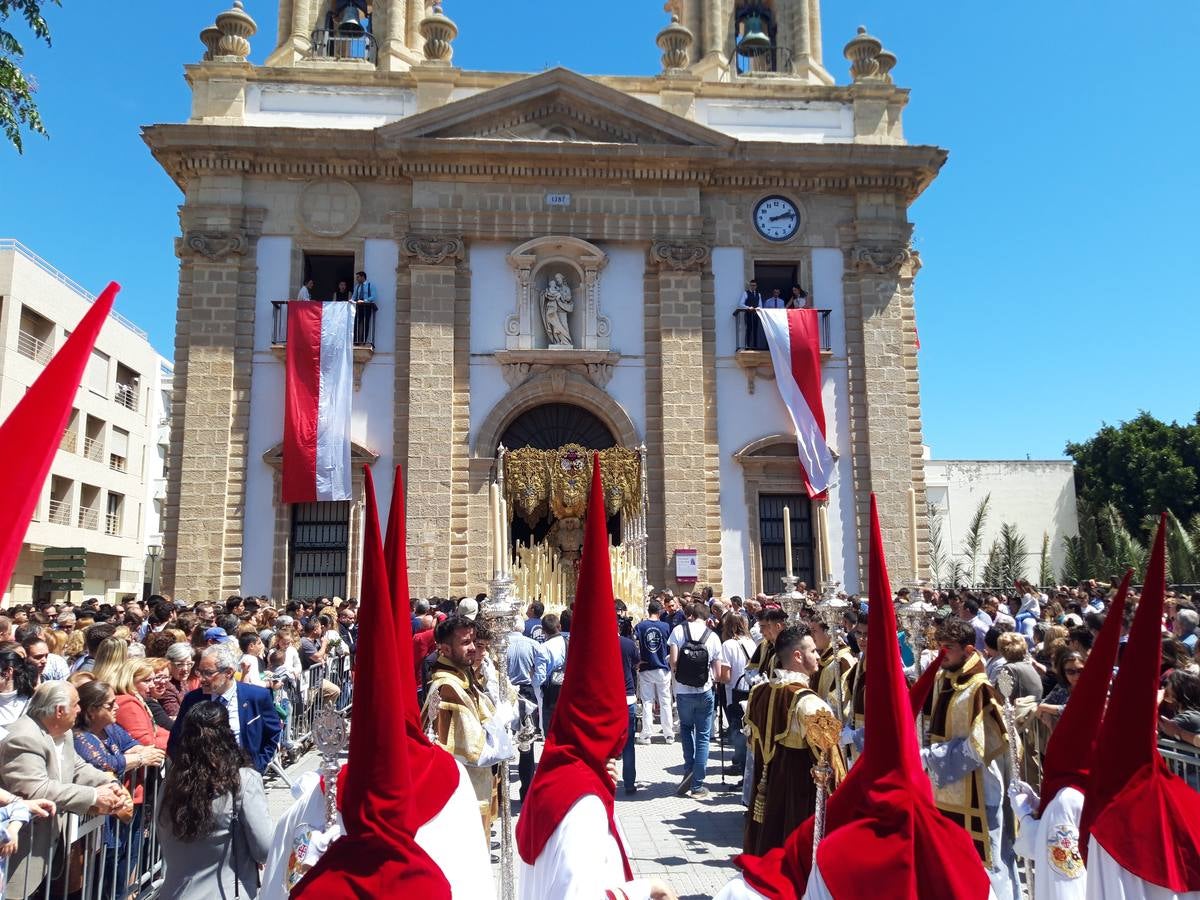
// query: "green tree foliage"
[[973, 540], [1141, 468], [18, 111]]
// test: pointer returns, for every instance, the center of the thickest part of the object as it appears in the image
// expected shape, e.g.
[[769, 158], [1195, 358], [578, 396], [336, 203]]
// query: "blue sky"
[[1059, 288]]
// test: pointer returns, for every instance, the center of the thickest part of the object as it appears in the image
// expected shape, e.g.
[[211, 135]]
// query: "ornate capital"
[[680, 256], [869, 260], [212, 245], [433, 249]]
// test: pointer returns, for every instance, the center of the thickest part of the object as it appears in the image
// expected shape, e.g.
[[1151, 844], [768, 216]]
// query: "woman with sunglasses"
[[1068, 666]]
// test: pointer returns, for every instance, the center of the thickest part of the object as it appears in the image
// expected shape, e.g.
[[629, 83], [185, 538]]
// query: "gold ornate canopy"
[[537, 482]]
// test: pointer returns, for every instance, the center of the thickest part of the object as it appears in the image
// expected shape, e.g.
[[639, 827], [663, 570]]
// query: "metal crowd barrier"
[[1182, 759], [301, 704], [97, 857]]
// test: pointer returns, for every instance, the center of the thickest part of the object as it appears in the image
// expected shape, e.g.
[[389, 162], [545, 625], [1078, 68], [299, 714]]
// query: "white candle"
[[505, 547], [787, 541], [494, 521], [912, 530], [826, 556]]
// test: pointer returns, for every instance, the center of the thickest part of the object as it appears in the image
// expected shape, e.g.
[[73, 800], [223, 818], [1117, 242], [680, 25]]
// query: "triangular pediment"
[[555, 106]]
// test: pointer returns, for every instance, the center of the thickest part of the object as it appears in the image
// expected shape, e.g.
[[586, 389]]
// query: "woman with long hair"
[[1068, 666], [214, 825], [133, 687], [110, 656], [736, 649]]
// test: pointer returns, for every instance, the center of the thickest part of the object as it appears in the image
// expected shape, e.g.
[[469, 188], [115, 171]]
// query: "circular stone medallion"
[[330, 208]]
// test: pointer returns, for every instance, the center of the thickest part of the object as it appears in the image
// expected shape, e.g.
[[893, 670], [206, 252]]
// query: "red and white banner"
[[316, 418], [794, 337]]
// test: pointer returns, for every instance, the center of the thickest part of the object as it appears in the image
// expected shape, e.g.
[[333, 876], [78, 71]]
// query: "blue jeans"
[[695, 725], [628, 769]]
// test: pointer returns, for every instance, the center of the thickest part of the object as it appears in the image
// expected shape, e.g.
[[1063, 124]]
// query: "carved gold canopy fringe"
[[538, 482]]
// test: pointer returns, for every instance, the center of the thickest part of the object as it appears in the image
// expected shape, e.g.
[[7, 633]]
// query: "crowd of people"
[[95, 697]]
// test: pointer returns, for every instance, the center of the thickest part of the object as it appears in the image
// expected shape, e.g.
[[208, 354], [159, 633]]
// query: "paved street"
[[687, 842]]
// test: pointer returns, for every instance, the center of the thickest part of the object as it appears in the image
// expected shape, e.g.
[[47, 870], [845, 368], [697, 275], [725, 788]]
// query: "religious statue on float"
[[557, 305]]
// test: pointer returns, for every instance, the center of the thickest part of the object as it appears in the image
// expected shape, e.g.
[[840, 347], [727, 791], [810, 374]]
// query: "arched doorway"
[[548, 427]]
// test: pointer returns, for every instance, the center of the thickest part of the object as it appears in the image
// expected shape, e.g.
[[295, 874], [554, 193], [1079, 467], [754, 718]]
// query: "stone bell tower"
[[784, 38], [312, 30]]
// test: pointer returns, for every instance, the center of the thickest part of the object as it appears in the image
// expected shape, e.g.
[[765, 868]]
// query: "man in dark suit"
[[251, 710]]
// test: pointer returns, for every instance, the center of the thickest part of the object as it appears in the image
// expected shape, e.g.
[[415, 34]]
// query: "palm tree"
[[973, 541]]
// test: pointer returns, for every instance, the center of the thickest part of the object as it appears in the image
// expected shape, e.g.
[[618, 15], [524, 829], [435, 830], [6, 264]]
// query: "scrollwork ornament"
[[434, 249], [879, 260], [215, 245], [680, 256]]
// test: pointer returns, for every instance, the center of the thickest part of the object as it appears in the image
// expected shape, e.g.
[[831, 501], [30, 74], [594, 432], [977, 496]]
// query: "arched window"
[[551, 425]]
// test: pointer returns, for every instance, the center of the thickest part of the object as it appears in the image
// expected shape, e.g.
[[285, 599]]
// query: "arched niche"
[[535, 263]]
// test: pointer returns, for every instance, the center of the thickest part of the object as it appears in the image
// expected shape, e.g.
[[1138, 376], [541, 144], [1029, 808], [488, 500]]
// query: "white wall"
[[744, 417], [778, 120], [1038, 496], [314, 106], [371, 411]]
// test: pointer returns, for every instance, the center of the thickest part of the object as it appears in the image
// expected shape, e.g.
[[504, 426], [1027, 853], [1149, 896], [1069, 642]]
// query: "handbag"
[[557, 676]]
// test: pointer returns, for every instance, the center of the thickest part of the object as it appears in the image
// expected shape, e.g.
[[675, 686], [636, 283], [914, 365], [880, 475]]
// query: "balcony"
[[34, 348], [112, 524], [89, 518], [754, 356], [364, 332], [93, 449], [329, 44], [127, 396], [117, 463], [59, 512]]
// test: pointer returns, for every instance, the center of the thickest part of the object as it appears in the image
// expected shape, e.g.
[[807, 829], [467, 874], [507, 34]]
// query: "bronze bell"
[[349, 25], [754, 40]]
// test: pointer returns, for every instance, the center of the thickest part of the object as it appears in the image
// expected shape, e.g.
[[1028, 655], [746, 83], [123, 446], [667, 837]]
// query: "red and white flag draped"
[[316, 418], [794, 337]]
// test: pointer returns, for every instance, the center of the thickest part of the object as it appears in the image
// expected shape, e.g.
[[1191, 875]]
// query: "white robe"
[[1058, 828], [737, 889], [580, 861], [1108, 881], [453, 838]]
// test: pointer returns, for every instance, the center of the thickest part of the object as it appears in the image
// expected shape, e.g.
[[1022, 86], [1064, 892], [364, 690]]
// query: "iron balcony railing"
[[127, 396], [328, 44], [750, 335], [117, 463], [33, 347], [59, 512], [364, 322], [93, 449], [112, 524], [89, 518]]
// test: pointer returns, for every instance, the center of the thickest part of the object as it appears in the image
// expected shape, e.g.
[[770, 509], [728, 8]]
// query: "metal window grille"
[[320, 549]]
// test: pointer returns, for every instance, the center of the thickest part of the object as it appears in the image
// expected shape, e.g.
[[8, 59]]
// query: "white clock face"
[[777, 218]]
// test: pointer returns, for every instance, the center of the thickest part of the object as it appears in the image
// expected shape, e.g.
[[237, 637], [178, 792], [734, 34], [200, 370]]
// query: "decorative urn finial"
[[236, 29], [439, 32]]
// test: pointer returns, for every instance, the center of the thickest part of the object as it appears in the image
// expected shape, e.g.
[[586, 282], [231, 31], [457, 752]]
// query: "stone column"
[[686, 404], [885, 405], [433, 417], [214, 336]]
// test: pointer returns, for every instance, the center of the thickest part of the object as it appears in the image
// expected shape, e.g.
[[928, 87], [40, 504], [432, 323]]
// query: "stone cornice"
[[189, 151]]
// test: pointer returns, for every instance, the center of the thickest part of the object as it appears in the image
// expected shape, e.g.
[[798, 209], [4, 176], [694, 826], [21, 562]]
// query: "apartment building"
[[100, 494]]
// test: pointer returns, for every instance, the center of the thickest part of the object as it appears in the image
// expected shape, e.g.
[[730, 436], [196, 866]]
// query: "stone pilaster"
[[214, 338], [687, 400], [885, 405], [435, 409]]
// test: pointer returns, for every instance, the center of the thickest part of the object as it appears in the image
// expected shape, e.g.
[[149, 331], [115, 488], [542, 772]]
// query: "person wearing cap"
[[468, 609], [967, 745]]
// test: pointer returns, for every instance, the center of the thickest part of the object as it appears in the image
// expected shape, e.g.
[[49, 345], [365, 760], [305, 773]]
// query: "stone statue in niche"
[[557, 305]]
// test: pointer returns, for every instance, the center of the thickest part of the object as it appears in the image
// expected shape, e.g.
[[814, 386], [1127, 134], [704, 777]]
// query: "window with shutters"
[[118, 450], [770, 537], [96, 377]]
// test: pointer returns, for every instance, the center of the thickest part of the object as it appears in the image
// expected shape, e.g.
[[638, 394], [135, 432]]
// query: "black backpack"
[[692, 663]]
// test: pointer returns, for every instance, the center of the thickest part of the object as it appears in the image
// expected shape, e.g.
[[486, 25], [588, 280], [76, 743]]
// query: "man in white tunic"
[[570, 844], [1048, 829], [884, 837], [1141, 823]]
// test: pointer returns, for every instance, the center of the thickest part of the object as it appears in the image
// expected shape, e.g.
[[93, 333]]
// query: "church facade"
[[553, 259]]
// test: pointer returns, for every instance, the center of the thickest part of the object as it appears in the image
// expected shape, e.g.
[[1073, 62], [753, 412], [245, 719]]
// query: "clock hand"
[[786, 215]]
